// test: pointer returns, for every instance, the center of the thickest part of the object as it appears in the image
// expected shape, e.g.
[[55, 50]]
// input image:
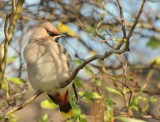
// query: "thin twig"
[[134, 24], [29, 100], [122, 19], [136, 20], [99, 35]]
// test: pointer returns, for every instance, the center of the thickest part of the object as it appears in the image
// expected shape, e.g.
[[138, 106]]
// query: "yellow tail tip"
[[66, 115]]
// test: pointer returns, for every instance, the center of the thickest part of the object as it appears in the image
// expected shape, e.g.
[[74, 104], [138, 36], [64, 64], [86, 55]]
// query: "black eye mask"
[[51, 34]]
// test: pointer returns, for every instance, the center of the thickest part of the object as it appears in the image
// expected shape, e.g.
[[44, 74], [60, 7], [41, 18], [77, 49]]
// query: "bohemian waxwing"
[[48, 64]]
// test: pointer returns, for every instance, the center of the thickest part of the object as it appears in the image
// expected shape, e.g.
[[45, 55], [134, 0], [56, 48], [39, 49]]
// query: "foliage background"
[[121, 87]]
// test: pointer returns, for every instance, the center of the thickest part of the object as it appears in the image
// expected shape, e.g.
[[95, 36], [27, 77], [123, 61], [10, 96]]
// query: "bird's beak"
[[59, 36]]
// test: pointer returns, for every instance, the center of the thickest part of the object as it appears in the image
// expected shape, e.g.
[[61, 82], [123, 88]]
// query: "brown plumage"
[[62, 100]]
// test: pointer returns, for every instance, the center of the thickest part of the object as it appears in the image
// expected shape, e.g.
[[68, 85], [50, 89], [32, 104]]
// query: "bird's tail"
[[62, 100]]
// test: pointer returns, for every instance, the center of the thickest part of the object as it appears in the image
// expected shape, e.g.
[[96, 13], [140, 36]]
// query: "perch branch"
[[25, 103]]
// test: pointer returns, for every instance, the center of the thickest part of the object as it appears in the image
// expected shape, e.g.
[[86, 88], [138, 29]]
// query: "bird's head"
[[46, 30]]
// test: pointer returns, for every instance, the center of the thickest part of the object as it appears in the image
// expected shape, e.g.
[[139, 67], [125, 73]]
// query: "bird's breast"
[[47, 65]]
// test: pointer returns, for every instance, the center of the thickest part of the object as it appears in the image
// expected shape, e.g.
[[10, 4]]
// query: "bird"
[[48, 65]]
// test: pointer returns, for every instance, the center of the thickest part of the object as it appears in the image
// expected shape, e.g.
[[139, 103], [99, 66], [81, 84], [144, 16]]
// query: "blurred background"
[[123, 87]]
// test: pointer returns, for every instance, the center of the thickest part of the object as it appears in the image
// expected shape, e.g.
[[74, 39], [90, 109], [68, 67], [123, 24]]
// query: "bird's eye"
[[51, 34]]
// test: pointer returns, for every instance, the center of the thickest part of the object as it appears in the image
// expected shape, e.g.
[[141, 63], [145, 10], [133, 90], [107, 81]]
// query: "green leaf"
[[153, 99], [82, 95], [77, 111], [90, 95], [17, 80], [126, 119], [104, 69], [83, 118], [109, 112], [109, 103], [44, 118], [154, 42], [11, 59], [88, 71], [134, 104], [71, 100], [77, 61], [13, 118], [95, 95], [99, 1], [48, 104], [113, 91], [119, 76], [78, 82], [98, 82], [89, 29], [78, 117]]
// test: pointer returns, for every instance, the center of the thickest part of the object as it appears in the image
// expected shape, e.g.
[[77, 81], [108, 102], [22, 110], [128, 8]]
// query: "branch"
[[86, 61], [14, 18], [107, 53], [122, 19], [10, 23], [25, 103], [136, 20], [134, 24]]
